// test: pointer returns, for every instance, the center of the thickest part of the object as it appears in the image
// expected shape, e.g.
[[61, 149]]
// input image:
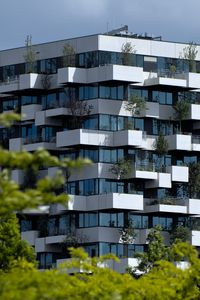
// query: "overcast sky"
[[48, 20]]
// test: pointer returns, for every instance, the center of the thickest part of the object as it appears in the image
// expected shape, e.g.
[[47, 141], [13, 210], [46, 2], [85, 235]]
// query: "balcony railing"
[[145, 166], [166, 201], [10, 80], [38, 139], [196, 139], [167, 73]]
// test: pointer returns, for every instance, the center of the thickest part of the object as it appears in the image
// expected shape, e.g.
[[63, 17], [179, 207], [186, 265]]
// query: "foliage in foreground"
[[165, 281], [19, 278]]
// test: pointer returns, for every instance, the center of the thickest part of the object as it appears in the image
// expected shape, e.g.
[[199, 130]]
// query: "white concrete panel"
[[193, 80], [195, 238], [146, 175], [29, 111], [194, 113], [116, 201], [17, 176], [35, 146], [179, 142], [84, 136], [15, 144], [194, 206], [179, 173], [99, 234], [30, 236], [165, 82]]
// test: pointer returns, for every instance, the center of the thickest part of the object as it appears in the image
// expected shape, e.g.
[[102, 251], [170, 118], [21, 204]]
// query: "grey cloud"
[[50, 20]]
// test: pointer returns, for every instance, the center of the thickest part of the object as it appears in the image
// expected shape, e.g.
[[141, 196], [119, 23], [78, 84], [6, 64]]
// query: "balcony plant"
[[135, 105], [122, 168], [194, 180], [189, 54], [161, 148], [127, 49], [127, 233], [181, 108], [179, 234], [31, 56], [68, 55], [172, 71]]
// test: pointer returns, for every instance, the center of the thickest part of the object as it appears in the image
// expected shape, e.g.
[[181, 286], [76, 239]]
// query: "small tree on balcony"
[[127, 233], [181, 108], [189, 54], [68, 55], [194, 180], [127, 49], [30, 56], [179, 234], [135, 105], [156, 251], [161, 147], [121, 169]]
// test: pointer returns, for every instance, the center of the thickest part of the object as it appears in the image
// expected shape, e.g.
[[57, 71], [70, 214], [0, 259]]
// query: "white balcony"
[[122, 266], [194, 112], [163, 180], [100, 74], [85, 137], [30, 236], [166, 80], [195, 143], [179, 173], [23, 82], [193, 80], [193, 206], [41, 245], [30, 146], [101, 202], [42, 118], [99, 234], [168, 205], [195, 238], [99, 138], [15, 144], [18, 176], [179, 142], [144, 171], [119, 267], [114, 201], [29, 111], [128, 137]]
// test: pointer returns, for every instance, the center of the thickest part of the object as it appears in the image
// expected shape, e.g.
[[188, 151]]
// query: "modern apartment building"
[[74, 104]]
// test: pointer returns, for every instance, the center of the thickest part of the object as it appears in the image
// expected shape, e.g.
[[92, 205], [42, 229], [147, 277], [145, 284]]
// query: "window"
[[88, 219], [10, 104], [164, 222], [26, 225], [111, 219], [64, 225], [150, 64], [26, 100], [138, 221]]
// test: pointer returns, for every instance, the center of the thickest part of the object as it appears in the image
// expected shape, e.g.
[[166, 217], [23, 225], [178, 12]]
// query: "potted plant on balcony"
[[172, 71]]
